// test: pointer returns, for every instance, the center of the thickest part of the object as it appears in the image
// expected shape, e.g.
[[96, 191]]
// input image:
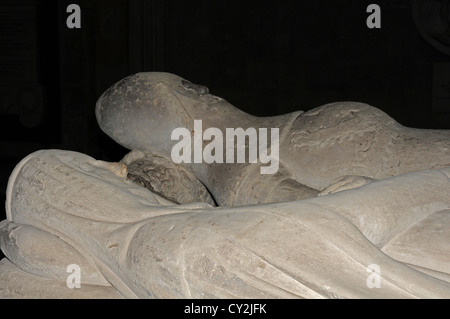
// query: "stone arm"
[[291, 190]]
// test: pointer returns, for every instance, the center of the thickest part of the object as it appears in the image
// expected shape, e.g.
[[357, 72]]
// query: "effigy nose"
[[199, 89]]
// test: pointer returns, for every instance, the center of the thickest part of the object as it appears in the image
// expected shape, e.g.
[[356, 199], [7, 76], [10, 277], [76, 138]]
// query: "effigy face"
[[349, 211]]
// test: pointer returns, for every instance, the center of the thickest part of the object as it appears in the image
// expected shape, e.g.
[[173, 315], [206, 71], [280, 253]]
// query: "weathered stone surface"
[[130, 240], [161, 176], [338, 139], [354, 189]]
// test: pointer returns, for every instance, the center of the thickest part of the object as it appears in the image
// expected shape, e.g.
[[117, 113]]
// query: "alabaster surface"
[[353, 190]]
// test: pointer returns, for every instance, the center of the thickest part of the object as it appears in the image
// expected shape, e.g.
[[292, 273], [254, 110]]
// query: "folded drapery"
[[66, 208]]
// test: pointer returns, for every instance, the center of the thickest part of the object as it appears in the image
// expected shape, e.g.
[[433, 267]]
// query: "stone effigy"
[[315, 148], [146, 227]]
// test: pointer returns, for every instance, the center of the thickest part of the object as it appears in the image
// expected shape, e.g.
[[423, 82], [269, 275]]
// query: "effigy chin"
[[211, 202]]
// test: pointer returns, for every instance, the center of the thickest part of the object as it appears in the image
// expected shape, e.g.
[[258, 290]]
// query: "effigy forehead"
[[153, 88], [134, 96], [140, 85]]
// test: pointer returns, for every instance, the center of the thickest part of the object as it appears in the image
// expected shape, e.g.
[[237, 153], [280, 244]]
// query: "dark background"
[[267, 58]]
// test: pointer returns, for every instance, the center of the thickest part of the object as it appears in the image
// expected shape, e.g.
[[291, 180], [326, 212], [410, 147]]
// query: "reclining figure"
[[146, 227], [330, 148]]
